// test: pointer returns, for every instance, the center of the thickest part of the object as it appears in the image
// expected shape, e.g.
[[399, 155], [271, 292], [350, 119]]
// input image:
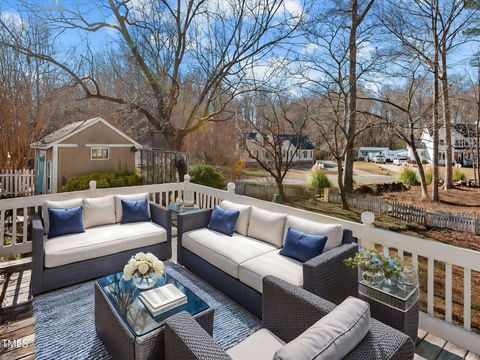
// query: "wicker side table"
[[393, 306]]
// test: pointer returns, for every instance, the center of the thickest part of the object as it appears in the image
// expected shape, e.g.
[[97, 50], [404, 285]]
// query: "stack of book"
[[162, 299]]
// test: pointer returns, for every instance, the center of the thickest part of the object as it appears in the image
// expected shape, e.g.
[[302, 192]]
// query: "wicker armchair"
[[287, 312]]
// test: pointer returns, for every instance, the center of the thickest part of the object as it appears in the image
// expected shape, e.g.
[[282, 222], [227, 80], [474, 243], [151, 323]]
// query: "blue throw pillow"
[[135, 211], [65, 221], [223, 221], [301, 246]]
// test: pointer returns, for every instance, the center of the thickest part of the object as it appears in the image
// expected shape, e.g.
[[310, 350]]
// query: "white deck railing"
[[426, 255]]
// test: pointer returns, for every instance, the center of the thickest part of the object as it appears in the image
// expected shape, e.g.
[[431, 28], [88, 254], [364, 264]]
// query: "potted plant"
[[144, 269], [376, 267]]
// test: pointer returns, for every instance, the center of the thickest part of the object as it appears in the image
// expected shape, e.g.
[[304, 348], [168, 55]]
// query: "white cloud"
[[365, 51], [310, 48], [12, 18], [293, 7]]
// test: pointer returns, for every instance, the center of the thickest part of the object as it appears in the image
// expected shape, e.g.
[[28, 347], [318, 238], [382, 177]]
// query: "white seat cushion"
[[333, 232], [261, 345], [223, 251], [253, 271], [131, 197], [100, 241], [267, 226], [244, 217], [99, 211], [333, 336], [49, 204]]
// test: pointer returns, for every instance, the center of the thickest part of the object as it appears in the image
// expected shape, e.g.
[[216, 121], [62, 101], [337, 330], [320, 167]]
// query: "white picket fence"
[[15, 183]]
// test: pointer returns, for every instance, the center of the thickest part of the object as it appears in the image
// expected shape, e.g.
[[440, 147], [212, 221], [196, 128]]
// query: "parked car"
[[467, 162], [379, 159], [401, 160]]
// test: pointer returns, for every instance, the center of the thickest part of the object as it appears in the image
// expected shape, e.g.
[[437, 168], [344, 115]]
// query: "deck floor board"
[[17, 322]]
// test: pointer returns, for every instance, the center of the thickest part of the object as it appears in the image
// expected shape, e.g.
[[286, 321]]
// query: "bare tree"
[[328, 74], [404, 111], [358, 11], [267, 144], [178, 64], [431, 30], [26, 86]]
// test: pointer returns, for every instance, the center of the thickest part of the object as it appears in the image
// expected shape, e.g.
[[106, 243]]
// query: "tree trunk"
[[435, 177], [447, 124], [421, 174], [352, 101], [477, 144], [281, 190], [341, 187]]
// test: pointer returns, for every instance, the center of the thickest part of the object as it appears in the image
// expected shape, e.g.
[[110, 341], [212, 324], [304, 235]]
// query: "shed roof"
[[71, 129]]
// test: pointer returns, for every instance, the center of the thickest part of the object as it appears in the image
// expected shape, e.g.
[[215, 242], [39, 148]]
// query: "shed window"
[[100, 154]]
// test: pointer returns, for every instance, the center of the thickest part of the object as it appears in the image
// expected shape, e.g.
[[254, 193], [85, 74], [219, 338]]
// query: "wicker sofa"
[[287, 312], [236, 265], [100, 250]]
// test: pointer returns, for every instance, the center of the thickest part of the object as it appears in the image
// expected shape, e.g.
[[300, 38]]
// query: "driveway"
[[299, 177]]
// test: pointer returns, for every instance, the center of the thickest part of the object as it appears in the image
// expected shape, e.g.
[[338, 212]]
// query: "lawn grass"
[[456, 238], [254, 172]]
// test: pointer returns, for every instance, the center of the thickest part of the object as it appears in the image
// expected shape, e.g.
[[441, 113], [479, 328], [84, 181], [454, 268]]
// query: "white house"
[[294, 147], [463, 143], [422, 152], [365, 152]]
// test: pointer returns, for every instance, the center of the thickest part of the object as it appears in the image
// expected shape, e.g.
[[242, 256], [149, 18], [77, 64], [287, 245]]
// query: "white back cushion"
[[99, 211], [333, 232], [67, 204], [267, 226], [333, 336], [118, 203], [243, 218]]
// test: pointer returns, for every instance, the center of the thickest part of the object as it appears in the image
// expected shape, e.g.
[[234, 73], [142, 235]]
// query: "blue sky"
[[458, 60]]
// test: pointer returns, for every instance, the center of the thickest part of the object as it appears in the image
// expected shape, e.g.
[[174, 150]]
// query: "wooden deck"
[[17, 323]]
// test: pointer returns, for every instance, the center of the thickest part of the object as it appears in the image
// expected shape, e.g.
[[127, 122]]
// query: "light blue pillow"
[[65, 221], [301, 246], [134, 211], [223, 221]]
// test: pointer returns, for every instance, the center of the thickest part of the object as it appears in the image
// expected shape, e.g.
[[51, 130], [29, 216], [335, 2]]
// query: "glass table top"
[[123, 295], [395, 291], [181, 209]]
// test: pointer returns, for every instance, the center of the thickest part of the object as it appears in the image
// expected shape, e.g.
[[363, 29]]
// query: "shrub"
[[207, 175], [458, 175], [428, 177], [317, 178], [408, 177], [104, 180]]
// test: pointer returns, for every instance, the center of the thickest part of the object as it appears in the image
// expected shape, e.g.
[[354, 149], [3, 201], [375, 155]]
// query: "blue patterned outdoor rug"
[[65, 327]]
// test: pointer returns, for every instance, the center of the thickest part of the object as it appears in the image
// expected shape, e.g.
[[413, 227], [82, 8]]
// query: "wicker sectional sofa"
[[100, 250], [237, 264], [288, 311]]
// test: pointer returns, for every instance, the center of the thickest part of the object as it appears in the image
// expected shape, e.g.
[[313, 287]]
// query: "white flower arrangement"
[[143, 265]]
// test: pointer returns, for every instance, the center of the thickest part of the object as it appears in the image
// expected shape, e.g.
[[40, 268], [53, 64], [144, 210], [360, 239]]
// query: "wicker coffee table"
[[393, 306], [126, 327]]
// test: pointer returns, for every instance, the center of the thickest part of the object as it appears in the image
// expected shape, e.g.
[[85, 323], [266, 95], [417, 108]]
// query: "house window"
[[100, 154]]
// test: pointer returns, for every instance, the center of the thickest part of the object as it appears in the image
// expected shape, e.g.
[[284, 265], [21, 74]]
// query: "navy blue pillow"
[[223, 221], [134, 211], [301, 246], [65, 221]]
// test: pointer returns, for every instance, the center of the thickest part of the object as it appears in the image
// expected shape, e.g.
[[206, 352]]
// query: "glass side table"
[[179, 209], [393, 306]]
